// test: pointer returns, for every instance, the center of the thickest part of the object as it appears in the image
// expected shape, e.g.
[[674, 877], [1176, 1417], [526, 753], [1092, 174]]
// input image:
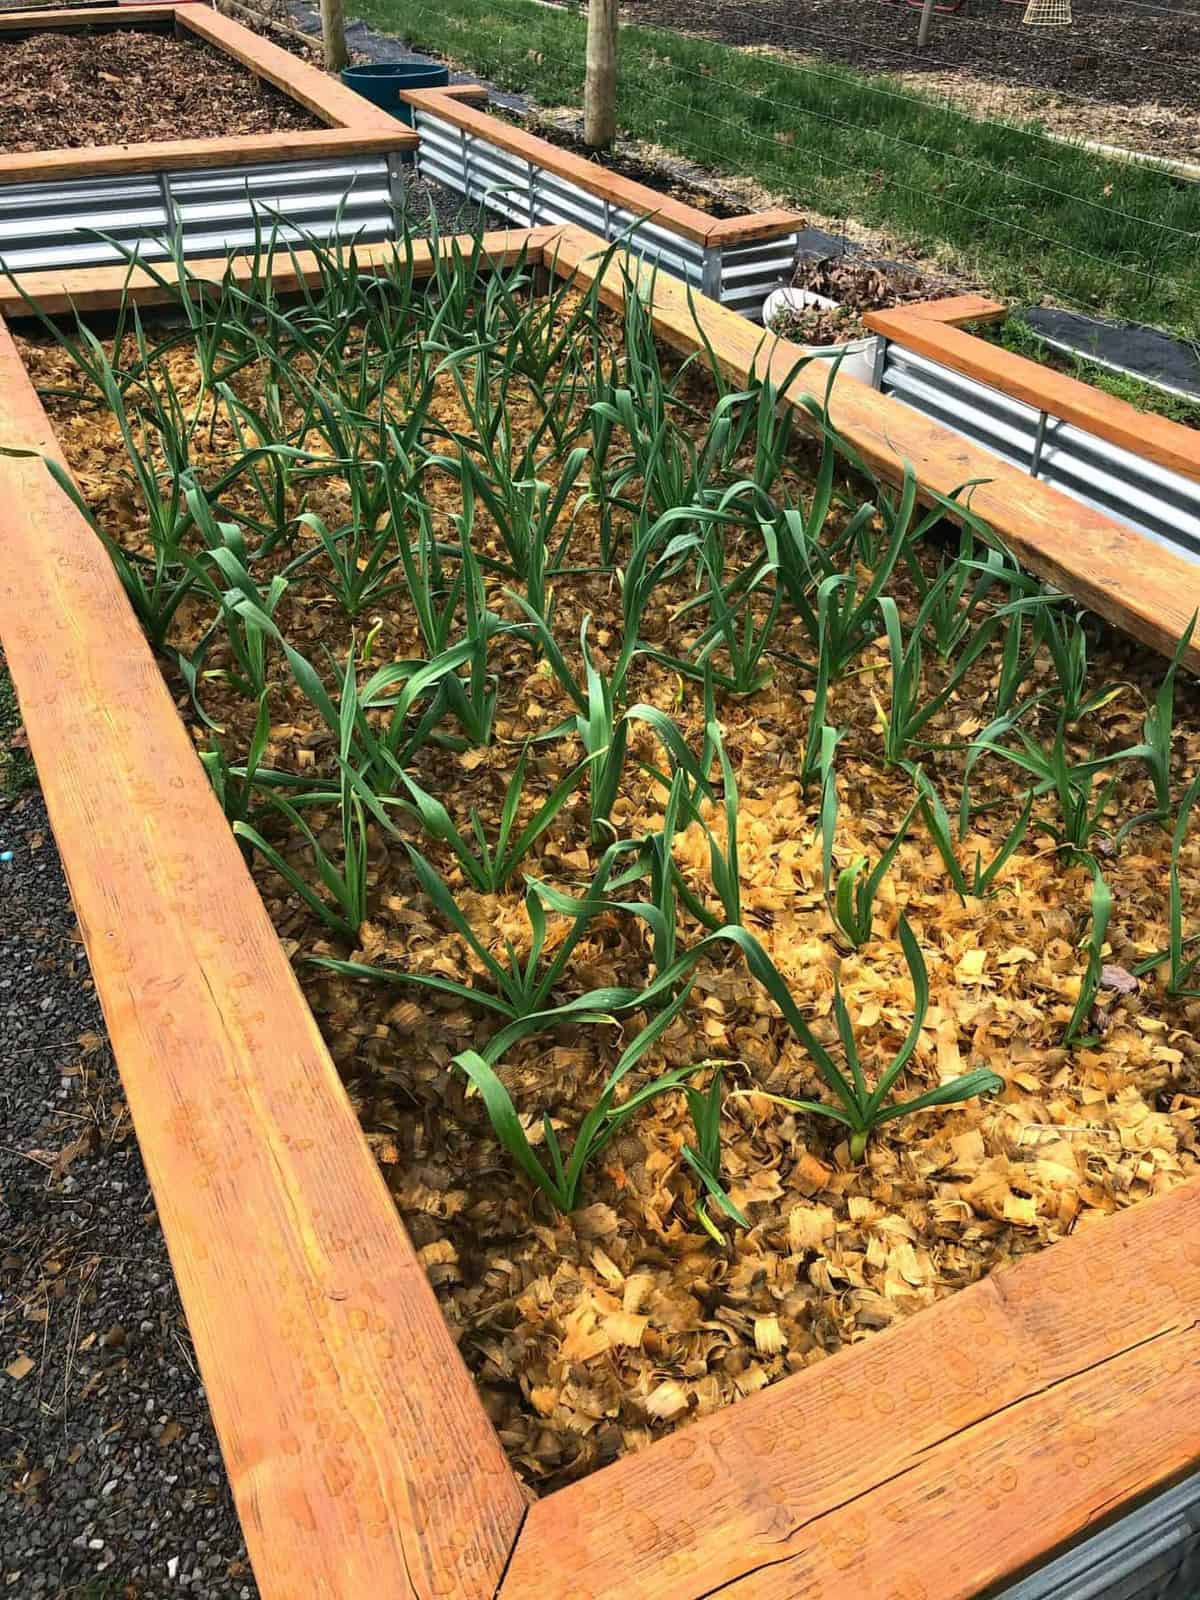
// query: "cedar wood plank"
[[955, 309], [1170, 444], [645, 202], [360, 1457], [1138, 585], [924, 1464], [173, 155], [320, 92]]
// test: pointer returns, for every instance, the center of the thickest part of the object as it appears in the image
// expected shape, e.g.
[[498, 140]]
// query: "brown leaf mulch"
[[61, 91], [592, 1334]]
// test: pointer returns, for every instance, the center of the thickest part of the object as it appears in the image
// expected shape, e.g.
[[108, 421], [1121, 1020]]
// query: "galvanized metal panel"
[[46, 225], [56, 224], [216, 209], [1162, 504], [1153, 1553], [750, 271], [741, 276]]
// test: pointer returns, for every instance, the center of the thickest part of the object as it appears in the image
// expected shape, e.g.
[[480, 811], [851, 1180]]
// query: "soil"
[[112, 1483], [1110, 55], [564, 128], [592, 1334], [61, 91]]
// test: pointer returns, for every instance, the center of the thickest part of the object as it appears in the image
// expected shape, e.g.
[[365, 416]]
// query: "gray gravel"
[[111, 1484], [455, 213]]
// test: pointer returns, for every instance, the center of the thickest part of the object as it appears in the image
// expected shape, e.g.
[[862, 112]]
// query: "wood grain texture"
[[1155, 438], [174, 155], [956, 309], [754, 225], [92, 17], [924, 1464], [360, 1458], [1141, 587], [643, 201], [57, 290]]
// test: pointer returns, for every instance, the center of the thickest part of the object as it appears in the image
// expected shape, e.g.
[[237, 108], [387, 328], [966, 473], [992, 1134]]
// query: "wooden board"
[[924, 1464], [354, 125], [360, 1457], [955, 309], [1155, 438], [325, 96], [1138, 585], [638, 198]]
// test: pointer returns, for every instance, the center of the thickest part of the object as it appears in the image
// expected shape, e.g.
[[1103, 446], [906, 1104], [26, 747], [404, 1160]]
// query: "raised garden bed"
[[359, 1452], [736, 260], [1139, 468], [168, 167]]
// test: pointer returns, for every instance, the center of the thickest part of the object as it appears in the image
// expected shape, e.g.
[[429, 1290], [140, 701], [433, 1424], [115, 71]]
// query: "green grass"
[[1015, 334], [16, 766], [1031, 217]]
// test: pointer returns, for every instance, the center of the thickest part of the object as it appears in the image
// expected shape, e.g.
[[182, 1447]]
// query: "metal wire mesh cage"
[[1047, 14]]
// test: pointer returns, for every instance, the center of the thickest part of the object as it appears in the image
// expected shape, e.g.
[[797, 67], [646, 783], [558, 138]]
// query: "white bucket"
[[857, 356]]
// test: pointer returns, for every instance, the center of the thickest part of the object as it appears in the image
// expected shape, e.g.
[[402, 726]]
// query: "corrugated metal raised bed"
[[737, 261], [81, 208], [1140, 469], [94, 222]]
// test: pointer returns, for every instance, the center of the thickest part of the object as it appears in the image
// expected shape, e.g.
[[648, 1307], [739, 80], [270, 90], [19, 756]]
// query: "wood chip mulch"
[[71, 91]]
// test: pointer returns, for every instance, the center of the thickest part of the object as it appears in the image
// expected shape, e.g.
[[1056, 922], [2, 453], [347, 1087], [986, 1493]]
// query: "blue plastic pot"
[[382, 82]]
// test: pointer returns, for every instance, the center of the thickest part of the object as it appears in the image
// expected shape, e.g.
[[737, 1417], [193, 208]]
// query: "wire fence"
[[1056, 206]]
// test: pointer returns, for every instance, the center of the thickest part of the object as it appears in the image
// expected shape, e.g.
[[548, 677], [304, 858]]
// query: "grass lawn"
[[1015, 334], [1032, 218]]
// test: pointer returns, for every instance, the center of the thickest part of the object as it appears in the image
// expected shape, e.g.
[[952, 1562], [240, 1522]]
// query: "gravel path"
[[112, 1485]]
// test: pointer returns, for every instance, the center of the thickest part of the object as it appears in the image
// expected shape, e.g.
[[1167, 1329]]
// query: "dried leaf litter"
[[592, 1335]]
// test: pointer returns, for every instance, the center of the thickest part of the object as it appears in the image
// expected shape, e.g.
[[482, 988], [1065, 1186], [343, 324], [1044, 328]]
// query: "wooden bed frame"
[[354, 125], [937, 328], [927, 1463]]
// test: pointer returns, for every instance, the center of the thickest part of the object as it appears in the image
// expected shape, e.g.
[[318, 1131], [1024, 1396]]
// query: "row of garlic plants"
[[344, 385]]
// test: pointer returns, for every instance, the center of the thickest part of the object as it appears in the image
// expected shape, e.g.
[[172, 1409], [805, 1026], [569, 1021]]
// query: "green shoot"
[[853, 904], [705, 1156], [1089, 986], [489, 866], [561, 1179], [1181, 974], [982, 879]]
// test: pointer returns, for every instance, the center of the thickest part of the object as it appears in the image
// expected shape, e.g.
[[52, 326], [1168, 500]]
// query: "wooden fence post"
[[333, 33], [600, 83]]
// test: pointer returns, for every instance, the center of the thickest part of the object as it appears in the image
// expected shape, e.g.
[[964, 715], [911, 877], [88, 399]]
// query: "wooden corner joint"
[[940, 337]]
